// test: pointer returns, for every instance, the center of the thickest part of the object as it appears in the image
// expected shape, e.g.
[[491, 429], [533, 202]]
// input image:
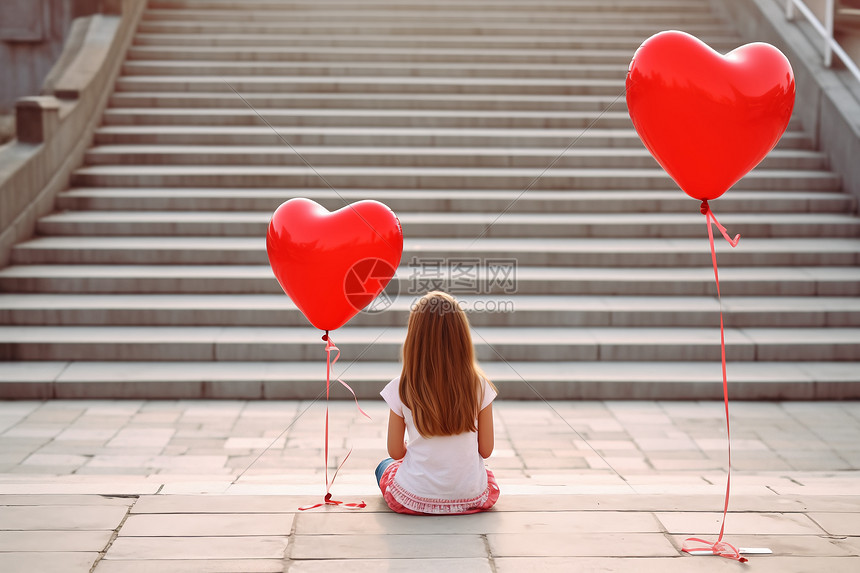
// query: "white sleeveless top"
[[440, 467]]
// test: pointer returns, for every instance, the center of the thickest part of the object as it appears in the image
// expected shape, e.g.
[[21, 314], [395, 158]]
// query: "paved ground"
[[132, 486]]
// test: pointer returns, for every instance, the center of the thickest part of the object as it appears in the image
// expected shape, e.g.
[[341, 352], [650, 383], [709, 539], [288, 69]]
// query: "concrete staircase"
[[497, 130]]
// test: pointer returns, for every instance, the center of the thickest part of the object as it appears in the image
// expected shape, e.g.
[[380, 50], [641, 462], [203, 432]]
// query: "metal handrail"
[[825, 30]]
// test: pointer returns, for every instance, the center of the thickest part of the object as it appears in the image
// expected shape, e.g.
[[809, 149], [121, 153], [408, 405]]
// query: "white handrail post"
[[789, 9], [829, 14]]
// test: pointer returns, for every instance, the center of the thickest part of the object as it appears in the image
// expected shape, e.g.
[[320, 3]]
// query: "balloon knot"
[[325, 336], [704, 208]]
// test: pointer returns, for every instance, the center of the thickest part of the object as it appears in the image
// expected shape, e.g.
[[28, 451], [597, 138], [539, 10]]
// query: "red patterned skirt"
[[402, 501]]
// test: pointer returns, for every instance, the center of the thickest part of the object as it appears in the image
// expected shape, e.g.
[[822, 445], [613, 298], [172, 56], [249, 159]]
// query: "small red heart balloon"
[[333, 264], [708, 119]]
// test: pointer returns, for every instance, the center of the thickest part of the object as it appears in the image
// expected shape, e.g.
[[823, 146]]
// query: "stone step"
[[369, 118], [465, 17], [604, 119], [264, 101], [453, 14], [322, 54], [427, 178], [450, 200], [558, 139], [188, 68], [375, 84], [557, 6], [525, 251], [410, 277], [457, 25], [484, 310], [467, 20], [140, 343], [400, 156], [463, 225], [723, 43], [305, 380]]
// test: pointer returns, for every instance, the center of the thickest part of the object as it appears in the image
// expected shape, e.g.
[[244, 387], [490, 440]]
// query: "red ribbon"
[[329, 363], [719, 547]]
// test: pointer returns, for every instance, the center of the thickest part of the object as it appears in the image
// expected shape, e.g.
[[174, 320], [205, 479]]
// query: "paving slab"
[[47, 562], [838, 523], [407, 565], [392, 546], [160, 548], [28, 487], [587, 544], [493, 522], [99, 435], [852, 544], [191, 566], [207, 525], [61, 517], [221, 504], [677, 565], [64, 500], [600, 516], [740, 523], [43, 541], [783, 545]]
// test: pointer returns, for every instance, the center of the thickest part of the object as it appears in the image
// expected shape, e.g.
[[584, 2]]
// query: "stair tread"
[[442, 218], [451, 244], [265, 130], [452, 12], [452, 200], [89, 371], [411, 5], [214, 113], [203, 96], [190, 50], [501, 132], [726, 35], [419, 171], [565, 274], [504, 194], [198, 66], [524, 303], [223, 80], [335, 150], [587, 343], [722, 42], [435, 27]]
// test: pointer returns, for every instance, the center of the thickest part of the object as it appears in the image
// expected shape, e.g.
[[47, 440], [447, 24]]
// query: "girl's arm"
[[396, 433], [485, 432]]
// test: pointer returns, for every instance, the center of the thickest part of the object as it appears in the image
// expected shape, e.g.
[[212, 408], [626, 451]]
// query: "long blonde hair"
[[441, 382]]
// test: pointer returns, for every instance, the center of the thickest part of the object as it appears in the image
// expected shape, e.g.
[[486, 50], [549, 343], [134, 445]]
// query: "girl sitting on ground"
[[443, 401]]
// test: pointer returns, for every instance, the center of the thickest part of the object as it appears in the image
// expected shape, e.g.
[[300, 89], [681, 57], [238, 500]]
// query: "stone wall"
[[32, 36], [32, 33], [54, 129]]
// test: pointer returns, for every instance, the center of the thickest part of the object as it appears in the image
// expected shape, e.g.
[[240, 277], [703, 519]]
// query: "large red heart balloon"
[[708, 119], [333, 264]]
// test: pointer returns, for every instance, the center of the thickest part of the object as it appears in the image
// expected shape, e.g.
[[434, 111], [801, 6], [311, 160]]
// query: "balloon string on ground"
[[719, 547], [329, 363]]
